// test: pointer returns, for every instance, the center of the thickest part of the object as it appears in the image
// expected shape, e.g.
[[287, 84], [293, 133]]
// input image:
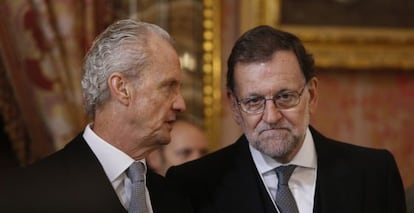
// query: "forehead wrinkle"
[[268, 77]]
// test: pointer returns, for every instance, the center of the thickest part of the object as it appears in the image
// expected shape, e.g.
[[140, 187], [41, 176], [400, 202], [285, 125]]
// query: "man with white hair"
[[131, 86]]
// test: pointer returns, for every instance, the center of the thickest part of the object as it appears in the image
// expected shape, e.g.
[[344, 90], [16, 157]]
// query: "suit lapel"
[[241, 186], [86, 172], [335, 183]]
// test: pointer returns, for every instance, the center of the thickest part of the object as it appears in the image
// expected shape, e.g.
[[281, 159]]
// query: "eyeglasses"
[[283, 100]]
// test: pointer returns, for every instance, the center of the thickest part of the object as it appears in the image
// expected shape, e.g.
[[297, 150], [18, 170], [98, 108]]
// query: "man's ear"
[[313, 94], [118, 86], [234, 107]]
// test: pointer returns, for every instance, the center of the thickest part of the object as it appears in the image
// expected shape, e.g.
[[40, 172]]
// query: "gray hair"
[[260, 43], [122, 47]]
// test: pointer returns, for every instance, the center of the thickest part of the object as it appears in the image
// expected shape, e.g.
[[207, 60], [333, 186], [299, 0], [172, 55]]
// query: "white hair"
[[122, 47]]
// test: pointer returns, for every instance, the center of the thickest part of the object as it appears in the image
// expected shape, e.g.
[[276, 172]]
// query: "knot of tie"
[[283, 173], [136, 172]]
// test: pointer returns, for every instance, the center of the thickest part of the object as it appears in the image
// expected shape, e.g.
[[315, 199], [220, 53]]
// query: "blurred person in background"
[[188, 142]]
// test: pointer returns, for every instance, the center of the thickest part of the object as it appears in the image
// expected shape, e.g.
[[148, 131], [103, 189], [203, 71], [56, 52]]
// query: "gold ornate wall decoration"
[[358, 48], [253, 13], [337, 46], [211, 69]]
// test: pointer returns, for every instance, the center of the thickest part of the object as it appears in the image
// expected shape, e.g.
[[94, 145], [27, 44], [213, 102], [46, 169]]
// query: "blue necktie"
[[136, 173], [284, 199]]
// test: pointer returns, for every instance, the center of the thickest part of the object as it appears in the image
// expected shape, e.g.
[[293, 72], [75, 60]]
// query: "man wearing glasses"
[[281, 163]]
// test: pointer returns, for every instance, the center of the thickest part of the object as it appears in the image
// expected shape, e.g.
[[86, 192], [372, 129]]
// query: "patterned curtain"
[[42, 47]]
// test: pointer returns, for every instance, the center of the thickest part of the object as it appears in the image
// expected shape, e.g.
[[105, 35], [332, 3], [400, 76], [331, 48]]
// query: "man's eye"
[[285, 97], [253, 101], [184, 153], [170, 88]]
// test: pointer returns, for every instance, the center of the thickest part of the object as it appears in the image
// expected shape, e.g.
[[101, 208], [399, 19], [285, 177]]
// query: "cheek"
[[170, 156], [136, 111], [152, 106], [299, 119], [141, 102], [294, 117], [164, 104], [250, 123]]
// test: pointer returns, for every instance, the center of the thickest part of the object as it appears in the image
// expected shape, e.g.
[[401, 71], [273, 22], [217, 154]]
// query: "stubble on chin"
[[277, 144]]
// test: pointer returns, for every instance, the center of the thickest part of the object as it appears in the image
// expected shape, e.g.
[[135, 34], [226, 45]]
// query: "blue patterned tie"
[[136, 173], [284, 198]]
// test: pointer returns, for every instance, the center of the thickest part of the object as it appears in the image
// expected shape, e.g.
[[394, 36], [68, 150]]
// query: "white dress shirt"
[[115, 163], [303, 180]]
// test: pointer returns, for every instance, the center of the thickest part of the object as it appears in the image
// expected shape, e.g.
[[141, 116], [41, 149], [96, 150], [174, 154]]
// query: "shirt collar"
[[306, 157], [113, 160]]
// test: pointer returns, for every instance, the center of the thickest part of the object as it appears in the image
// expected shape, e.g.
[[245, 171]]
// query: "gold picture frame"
[[212, 71], [344, 47]]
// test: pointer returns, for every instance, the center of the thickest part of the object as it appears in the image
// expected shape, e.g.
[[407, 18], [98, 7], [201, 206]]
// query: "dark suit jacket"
[[409, 199], [349, 179], [73, 180]]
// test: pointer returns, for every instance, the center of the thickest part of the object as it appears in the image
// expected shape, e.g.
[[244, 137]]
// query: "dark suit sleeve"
[[395, 189]]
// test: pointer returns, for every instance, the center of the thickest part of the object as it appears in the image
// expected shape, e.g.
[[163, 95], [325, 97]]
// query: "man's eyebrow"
[[284, 90], [255, 94], [171, 82]]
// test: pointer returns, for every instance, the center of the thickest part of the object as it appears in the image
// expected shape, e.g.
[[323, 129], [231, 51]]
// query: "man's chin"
[[165, 140]]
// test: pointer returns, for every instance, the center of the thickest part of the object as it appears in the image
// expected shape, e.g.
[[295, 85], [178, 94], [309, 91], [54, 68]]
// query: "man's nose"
[[179, 103], [271, 113]]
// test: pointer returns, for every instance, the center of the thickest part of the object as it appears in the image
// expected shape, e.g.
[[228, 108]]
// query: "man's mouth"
[[273, 129]]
